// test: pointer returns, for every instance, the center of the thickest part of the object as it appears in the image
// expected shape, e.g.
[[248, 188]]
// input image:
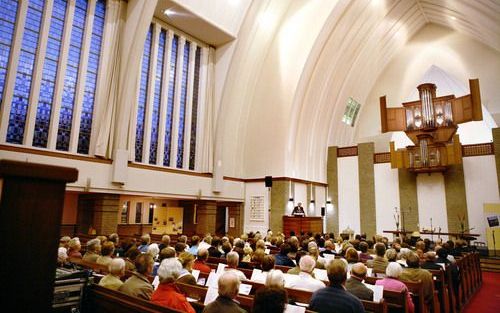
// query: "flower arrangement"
[[461, 219]]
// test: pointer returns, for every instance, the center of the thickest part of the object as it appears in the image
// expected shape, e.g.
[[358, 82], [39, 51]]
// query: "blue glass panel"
[[22, 86], [194, 113], [44, 108], [170, 100], [155, 123], [182, 109], [91, 80], [141, 102], [8, 16], [71, 76]]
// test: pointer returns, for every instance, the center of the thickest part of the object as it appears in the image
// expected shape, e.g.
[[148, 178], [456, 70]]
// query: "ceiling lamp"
[[431, 124]]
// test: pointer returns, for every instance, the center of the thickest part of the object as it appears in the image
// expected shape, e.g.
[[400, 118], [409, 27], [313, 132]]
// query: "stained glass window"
[[194, 113], [351, 112], [143, 90], [170, 101], [91, 80], [51, 63], [22, 87], [7, 23], [182, 109], [70, 79], [157, 96]]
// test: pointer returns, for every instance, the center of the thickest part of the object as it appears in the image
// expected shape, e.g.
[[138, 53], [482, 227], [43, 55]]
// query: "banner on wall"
[[257, 209]]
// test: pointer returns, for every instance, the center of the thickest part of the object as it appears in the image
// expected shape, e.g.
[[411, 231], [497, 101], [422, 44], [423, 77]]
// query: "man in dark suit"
[[355, 283], [298, 210]]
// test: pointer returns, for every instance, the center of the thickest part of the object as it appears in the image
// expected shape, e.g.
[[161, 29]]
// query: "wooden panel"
[[477, 111], [478, 149], [302, 224], [30, 213], [462, 109], [396, 119], [383, 114], [347, 151], [384, 157]]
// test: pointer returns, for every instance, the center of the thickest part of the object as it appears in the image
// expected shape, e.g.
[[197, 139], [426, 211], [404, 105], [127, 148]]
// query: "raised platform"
[[490, 264]]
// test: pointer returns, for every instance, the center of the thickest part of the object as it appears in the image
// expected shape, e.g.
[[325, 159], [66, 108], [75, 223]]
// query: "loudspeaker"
[[322, 211], [269, 181]]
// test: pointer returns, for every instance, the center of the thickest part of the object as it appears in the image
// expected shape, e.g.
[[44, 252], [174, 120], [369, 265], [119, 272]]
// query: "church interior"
[[331, 139]]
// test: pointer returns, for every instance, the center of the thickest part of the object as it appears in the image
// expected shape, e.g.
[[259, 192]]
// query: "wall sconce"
[[329, 205], [290, 204], [311, 205]]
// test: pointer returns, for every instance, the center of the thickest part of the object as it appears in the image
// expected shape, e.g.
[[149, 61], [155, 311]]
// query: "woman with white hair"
[[153, 250], [391, 282], [93, 250], [74, 248], [275, 279], [116, 270], [167, 294], [62, 256]]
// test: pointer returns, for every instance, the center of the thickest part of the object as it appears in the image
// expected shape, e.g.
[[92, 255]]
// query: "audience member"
[[116, 270], [165, 242], [93, 250], [167, 294], [335, 298], [415, 273], [138, 284], [275, 279], [296, 269], [270, 300], [232, 265], [355, 283], [64, 241], [130, 257], [329, 248], [153, 250], [201, 259], [229, 285], [430, 261], [379, 263], [282, 258], [214, 250], [107, 251], [74, 248], [305, 280], [145, 241], [364, 255], [195, 240], [391, 282], [268, 263], [187, 260]]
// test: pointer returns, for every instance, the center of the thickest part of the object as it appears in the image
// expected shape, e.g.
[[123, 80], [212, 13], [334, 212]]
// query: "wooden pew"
[[99, 299], [396, 301], [441, 284]]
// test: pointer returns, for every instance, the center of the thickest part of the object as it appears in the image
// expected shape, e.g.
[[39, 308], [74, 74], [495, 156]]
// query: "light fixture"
[[453, 18], [169, 12]]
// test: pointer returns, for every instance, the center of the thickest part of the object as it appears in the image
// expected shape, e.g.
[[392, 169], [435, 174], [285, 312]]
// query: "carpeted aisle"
[[487, 299]]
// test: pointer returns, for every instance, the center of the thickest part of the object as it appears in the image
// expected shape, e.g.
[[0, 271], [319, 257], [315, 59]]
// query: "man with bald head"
[[355, 283], [228, 284], [335, 298], [305, 280]]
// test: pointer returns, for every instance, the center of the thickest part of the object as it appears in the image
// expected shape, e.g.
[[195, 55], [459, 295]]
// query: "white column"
[[204, 109], [164, 98], [189, 106], [82, 77], [177, 102], [61, 72], [10, 79], [29, 127], [150, 93]]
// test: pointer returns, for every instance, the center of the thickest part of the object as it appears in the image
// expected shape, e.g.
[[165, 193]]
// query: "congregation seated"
[[130, 257], [165, 242], [92, 251], [257, 258], [232, 260], [391, 282], [296, 269], [430, 261], [201, 259], [305, 281], [74, 247], [379, 263], [270, 300], [167, 294], [180, 247], [153, 250], [364, 255], [355, 283], [214, 249], [107, 251], [391, 255], [268, 263], [228, 287], [282, 258], [165, 253], [195, 240], [329, 248], [113, 279], [115, 239], [186, 259], [145, 241], [335, 298], [414, 273], [138, 284]]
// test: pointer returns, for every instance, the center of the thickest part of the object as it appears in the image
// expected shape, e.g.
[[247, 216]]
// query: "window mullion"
[[61, 70], [164, 99], [177, 102], [82, 77], [150, 94], [189, 106], [29, 127], [10, 79]]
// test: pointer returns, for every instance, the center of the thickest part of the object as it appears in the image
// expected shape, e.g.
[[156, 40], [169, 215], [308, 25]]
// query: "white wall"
[[319, 199], [300, 195], [386, 196], [348, 187], [432, 202], [256, 189], [481, 186]]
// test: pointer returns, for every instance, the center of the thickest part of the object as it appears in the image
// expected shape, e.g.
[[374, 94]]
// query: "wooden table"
[[302, 224], [462, 235]]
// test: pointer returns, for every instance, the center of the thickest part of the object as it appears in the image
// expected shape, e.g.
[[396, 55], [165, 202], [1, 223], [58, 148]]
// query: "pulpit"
[[300, 224]]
